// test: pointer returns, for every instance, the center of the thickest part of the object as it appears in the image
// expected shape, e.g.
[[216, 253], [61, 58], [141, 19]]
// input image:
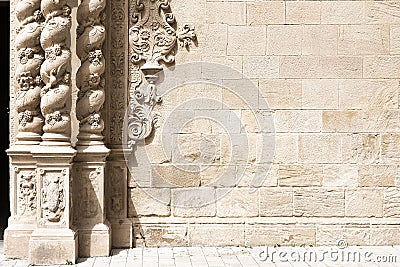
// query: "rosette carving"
[[153, 41], [90, 80], [55, 70], [30, 58]]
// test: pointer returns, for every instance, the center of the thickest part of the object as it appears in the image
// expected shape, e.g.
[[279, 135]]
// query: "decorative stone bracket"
[[153, 41]]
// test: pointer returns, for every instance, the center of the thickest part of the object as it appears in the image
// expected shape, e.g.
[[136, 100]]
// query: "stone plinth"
[[90, 217], [23, 200], [54, 241]]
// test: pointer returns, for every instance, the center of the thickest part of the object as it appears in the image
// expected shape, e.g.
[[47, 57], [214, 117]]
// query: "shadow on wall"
[[4, 114]]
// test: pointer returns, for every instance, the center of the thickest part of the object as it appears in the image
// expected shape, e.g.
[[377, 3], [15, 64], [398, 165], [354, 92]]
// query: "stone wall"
[[327, 73]]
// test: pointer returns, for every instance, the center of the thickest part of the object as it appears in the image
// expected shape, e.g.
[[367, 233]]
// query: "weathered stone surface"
[[284, 39], [314, 202], [319, 39], [347, 121], [270, 235], [377, 175], [390, 148], [330, 235], [320, 94], [300, 175], [391, 202], [368, 94], [298, 121], [381, 67], [261, 66], [286, 148], [276, 202], [342, 12], [321, 67], [360, 148], [194, 202], [175, 176], [261, 13], [226, 13], [237, 202], [239, 37], [384, 235], [218, 234], [379, 12], [340, 175], [307, 12], [280, 93], [149, 201], [358, 202], [319, 148], [257, 175], [164, 235], [363, 39]]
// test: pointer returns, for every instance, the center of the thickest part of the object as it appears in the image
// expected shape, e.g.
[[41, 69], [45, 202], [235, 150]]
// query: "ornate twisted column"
[[55, 240], [90, 217], [27, 84], [55, 72]]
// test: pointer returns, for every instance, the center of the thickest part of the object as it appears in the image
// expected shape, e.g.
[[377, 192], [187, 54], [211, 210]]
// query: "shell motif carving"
[[90, 80], [153, 41], [27, 73], [55, 70]]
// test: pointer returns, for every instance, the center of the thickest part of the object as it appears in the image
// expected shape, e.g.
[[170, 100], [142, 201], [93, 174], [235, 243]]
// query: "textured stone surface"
[[300, 175], [310, 202], [149, 201], [358, 202], [194, 202], [237, 202], [276, 202]]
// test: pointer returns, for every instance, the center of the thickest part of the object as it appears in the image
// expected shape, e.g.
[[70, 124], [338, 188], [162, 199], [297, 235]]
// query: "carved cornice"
[[153, 41], [55, 71], [27, 76], [90, 80]]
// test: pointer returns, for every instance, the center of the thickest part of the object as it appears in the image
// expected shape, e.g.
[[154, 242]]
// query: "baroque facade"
[[176, 123]]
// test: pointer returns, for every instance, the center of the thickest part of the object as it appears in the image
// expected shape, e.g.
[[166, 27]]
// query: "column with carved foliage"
[[89, 168], [27, 85], [55, 239]]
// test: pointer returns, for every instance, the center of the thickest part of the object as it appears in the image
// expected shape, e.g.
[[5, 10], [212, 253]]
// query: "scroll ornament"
[[153, 41]]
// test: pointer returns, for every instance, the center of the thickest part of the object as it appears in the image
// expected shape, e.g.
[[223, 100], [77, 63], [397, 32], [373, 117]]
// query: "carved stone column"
[[55, 239], [89, 169], [27, 85]]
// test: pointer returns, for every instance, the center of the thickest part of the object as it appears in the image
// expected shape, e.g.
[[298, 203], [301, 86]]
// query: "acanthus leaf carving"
[[153, 41], [27, 191]]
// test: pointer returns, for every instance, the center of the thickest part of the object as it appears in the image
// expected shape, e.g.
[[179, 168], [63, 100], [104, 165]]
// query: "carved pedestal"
[[117, 205], [23, 200], [89, 212], [54, 241]]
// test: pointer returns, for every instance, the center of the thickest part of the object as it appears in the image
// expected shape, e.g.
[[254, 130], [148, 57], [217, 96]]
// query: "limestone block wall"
[[328, 72]]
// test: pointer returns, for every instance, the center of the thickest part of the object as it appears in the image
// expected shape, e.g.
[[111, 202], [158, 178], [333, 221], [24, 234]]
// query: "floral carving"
[[90, 80], [153, 41], [27, 193], [30, 57], [55, 70]]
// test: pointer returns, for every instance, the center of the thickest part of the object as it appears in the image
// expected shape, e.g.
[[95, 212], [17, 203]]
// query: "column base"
[[95, 241], [122, 233], [53, 246], [16, 241]]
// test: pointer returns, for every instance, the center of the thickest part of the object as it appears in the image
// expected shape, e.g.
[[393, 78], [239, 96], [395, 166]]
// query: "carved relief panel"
[[53, 196], [87, 195]]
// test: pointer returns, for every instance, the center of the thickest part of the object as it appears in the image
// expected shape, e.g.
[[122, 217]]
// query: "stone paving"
[[230, 256]]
